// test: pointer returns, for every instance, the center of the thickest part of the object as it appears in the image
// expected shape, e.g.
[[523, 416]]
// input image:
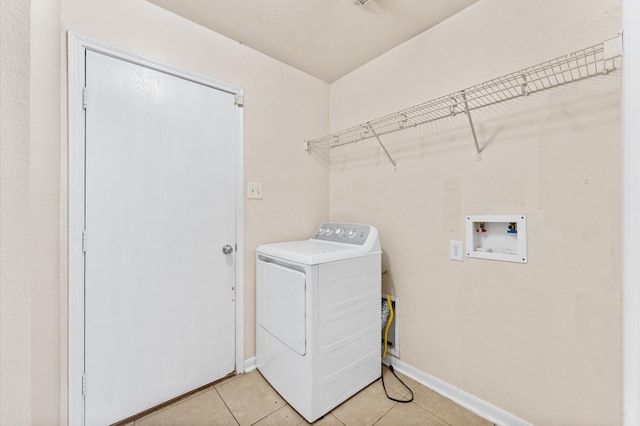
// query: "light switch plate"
[[254, 190]]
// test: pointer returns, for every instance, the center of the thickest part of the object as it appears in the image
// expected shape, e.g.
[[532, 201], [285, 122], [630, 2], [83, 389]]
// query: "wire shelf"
[[576, 66]]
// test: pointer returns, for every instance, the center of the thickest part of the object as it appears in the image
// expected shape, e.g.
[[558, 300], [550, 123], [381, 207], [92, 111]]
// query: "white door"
[[160, 206]]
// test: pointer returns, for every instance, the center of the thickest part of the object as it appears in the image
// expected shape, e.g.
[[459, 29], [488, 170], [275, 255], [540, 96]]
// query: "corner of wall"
[[15, 277]]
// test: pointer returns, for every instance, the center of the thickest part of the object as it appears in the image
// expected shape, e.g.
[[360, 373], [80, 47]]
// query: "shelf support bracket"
[[382, 146], [473, 130]]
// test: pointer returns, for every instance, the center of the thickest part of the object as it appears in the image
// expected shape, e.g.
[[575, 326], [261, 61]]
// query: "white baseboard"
[[249, 365], [460, 397]]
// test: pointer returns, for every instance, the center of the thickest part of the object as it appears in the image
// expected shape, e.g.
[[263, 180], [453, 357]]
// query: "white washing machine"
[[318, 316]]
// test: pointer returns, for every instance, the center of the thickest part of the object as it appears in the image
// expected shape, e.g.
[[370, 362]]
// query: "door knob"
[[227, 249]]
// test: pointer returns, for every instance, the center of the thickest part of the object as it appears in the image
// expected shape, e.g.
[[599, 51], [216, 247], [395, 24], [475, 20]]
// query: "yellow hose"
[[386, 328]]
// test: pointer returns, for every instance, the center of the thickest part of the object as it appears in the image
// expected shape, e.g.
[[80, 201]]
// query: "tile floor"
[[249, 400]]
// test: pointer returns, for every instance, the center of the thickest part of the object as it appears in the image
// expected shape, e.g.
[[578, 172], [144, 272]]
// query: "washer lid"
[[313, 252]]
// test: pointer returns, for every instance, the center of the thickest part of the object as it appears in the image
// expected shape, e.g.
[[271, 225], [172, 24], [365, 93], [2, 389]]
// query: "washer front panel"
[[283, 302]]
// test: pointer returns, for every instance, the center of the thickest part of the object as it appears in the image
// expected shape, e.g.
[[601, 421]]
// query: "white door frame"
[[77, 45]]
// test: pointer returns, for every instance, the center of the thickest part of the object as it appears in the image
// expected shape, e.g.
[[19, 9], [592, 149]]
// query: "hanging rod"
[[576, 66]]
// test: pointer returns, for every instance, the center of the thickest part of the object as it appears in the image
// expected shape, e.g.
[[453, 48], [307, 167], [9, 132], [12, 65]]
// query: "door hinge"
[[239, 99], [84, 97], [84, 241], [84, 384]]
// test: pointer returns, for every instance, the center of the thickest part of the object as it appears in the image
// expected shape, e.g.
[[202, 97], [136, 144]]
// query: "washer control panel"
[[351, 233]]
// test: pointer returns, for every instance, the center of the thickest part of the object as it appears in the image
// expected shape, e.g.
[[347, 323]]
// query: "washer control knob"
[[351, 233], [338, 232]]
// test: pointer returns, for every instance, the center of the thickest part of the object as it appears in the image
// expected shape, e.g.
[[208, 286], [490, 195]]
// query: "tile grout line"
[[434, 414], [418, 384], [273, 412], [390, 408], [337, 418], [225, 404], [416, 403]]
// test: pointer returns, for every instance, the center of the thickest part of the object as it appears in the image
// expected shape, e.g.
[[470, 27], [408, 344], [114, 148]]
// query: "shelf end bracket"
[[382, 146], [473, 130]]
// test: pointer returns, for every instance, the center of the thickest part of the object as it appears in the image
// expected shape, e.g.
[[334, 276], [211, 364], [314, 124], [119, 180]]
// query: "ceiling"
[[324, 38]]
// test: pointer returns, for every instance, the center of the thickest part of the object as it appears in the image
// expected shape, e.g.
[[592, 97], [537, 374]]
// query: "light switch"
[[254, 190]]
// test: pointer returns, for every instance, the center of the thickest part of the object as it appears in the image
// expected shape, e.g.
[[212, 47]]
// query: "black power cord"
[[400, 380]]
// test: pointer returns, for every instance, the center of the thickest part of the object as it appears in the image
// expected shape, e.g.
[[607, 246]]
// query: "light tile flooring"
[[249, 400]]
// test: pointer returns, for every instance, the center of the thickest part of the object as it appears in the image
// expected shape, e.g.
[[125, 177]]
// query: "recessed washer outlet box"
[[393, 347], [497, 237]]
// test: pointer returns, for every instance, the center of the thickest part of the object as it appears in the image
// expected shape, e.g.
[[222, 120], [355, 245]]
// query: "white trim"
[[240, 241], [631, 211], [75, 368], [472, 403], [86, 43], [77, 45], [250, 365]]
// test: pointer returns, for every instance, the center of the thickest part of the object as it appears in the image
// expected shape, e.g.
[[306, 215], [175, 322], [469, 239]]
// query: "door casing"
[[77, 46]]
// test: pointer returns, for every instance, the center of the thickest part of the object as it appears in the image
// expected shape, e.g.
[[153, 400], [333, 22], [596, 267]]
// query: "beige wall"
[[15, 291], [540, 340], [48, 321], [282, 107]]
